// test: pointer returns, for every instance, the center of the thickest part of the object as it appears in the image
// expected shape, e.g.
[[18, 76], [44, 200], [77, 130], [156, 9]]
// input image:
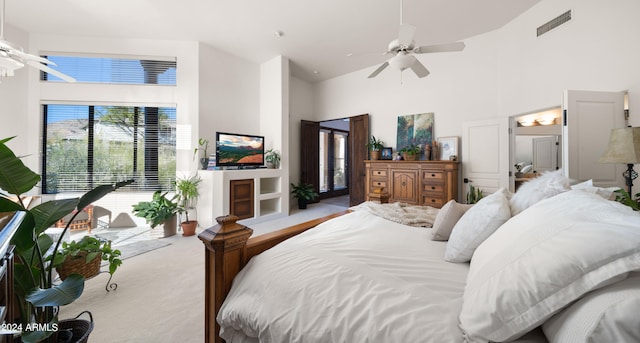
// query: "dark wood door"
[[358, 138], [309, 153]]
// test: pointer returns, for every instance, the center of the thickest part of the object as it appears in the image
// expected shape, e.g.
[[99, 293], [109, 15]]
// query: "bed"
[[358, 277]]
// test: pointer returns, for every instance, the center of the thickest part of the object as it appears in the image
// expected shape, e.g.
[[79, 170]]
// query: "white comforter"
[[357, 278]]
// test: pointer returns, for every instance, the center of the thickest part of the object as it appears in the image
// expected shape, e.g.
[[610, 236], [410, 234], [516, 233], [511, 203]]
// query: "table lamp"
[[624, 147]]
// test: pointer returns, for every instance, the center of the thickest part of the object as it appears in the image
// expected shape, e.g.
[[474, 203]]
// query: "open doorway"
[[332, 156]]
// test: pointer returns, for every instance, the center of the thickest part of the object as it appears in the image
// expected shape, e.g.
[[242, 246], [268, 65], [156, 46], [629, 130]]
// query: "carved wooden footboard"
[[228, 249]]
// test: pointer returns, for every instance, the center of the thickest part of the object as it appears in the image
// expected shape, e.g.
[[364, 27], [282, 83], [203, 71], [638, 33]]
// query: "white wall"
[[300, 108], [502, 73], [229, 94], [13, 100]]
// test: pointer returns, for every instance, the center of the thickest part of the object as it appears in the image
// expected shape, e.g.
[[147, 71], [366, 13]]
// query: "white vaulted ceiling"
[[317, 35]]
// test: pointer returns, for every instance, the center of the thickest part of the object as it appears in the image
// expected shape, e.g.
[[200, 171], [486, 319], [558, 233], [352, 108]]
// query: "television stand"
[[270, 194]]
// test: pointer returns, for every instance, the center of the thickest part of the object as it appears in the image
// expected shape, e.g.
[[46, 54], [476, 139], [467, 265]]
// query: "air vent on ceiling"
[[555, 22]]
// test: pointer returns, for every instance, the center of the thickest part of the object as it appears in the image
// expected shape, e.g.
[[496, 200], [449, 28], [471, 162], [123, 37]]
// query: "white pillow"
[[587, 186], [478, 223], [545, 258], [609, 314], [447, 218], [544, 186]]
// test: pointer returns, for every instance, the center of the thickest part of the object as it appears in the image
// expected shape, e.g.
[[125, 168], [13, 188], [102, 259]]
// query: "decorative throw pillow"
[[447, 218], [544, 259], [544, 186], [609, 314], [478, 223]]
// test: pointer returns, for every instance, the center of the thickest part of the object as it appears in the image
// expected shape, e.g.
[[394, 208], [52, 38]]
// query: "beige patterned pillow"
[[447, 218]]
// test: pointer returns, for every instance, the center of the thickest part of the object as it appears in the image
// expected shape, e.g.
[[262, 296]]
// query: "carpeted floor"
[[160, 294]]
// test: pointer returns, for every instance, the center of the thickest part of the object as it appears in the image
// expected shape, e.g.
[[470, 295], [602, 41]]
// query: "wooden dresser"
[[431, 183]]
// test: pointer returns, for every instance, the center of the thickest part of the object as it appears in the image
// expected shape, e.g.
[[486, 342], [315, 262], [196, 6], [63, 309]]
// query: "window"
[[130, 71], [86, 146]]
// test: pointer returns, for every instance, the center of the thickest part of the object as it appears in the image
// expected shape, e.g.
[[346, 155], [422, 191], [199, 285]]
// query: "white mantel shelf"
[[269, 193]]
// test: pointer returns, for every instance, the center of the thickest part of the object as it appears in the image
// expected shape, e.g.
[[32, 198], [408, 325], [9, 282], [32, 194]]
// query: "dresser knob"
[[433, 187], [433, 175]]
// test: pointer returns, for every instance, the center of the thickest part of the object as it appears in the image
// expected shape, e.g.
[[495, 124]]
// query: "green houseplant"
[[88, 250], [272, 157], [375, 146], [188, 193], [624, 197], [160, 210], [410, 152], [304, 192], [203, 145], [474, 195], [38, 294]]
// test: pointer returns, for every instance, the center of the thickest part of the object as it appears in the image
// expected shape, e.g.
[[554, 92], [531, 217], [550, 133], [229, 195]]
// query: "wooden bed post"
[[224, 257]]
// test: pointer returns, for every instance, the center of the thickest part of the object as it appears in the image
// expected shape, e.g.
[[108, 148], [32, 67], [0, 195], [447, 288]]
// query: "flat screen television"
[[239, 150]]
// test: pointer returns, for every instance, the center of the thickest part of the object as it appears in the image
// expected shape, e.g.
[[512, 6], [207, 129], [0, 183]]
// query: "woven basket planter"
[[77, 265], [75, 330]]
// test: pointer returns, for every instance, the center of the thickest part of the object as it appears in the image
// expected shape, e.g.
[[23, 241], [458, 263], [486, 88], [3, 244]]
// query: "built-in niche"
[[536, 143]]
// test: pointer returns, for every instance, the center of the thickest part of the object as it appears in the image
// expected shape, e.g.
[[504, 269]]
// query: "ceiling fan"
[[404, 47], [12, 57]]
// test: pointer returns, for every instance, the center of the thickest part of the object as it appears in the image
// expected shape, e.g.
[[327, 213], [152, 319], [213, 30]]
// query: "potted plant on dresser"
[[304, 192], [38, 294], [187, 191], [410, 152], [375, 147], [160, 210]]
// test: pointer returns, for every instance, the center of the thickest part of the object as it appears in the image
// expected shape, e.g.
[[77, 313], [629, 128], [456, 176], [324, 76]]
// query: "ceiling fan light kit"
[[404, 47], [13, 58]]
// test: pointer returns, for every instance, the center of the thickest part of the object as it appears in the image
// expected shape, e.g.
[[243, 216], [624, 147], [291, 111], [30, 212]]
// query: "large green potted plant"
[[304, 192], [188, 193], [39, 295], [375, 146], [160, 210]]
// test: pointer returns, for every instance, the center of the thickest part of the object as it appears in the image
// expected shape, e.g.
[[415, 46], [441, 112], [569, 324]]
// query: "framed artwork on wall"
[[387, 153], [415, 129], [448, 148]]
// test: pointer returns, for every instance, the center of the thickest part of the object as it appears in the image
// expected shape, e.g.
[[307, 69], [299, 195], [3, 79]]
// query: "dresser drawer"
[[434, 202], [433, 188], [378, 184], [378, 173], [433, 176]]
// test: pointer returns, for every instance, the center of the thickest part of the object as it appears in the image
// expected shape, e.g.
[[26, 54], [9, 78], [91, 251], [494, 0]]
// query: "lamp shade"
[[624, 146]]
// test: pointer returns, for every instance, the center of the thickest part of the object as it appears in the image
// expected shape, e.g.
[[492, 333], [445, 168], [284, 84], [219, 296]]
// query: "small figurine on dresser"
[[398, 157]]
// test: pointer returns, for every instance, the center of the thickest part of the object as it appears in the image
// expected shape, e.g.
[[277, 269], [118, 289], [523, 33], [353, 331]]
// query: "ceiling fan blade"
[[457, 46], [28, 57], [419, 69], [380, 68], [50, 71], [406, 34]]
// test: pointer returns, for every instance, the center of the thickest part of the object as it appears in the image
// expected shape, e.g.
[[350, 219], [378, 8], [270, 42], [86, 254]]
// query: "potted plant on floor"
[[304, 192], [160, 210], [85, 256], [375, 147], [38, 294], [187, 191], [272, 157], [203, 145]]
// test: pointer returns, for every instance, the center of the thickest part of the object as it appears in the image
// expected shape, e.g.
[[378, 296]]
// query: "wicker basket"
[[75, 330], [77, 265]]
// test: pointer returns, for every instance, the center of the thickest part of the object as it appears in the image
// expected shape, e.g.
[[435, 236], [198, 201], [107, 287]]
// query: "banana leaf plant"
[[38, 294]]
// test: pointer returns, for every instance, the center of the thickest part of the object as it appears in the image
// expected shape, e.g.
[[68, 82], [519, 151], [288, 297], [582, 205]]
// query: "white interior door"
[[485, 155], [587, 122], [545, 153]]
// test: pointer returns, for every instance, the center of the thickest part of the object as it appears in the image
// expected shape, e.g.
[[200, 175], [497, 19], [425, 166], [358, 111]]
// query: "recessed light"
[[315, 72], [350, 54], [278, 33]]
